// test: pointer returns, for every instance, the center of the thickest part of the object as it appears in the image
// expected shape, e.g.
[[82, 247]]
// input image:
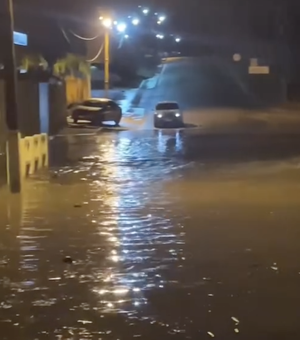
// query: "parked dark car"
[[97, 111]]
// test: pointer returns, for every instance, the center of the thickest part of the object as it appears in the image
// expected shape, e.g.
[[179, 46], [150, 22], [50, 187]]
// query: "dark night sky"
[[216, 17]]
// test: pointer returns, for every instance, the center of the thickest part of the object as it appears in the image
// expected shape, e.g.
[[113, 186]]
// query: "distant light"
[[158, 22], [155, 13], [107, 22], [159, 36], [115, 23], [100, 18], [145, 10], [135, 21], [129, 16], [126, 36], [237, 57], [121, 27], [177, 39], [162, 18]]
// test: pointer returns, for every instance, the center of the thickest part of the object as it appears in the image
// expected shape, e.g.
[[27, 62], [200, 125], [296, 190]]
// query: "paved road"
[[213, 95], [174, 235], [197, 83]]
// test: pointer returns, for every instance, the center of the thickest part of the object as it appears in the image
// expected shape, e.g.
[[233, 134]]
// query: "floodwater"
[[168, 235]]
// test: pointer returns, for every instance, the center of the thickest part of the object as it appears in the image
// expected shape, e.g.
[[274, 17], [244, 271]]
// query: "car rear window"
[[167, 106], [95, 103]]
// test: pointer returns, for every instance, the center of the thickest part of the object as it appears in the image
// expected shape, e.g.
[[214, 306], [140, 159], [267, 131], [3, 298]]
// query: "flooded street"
[[155, 235]]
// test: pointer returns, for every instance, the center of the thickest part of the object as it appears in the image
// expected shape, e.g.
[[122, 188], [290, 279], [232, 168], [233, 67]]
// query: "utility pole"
[[11, 102], [106, 61], [106, 16]]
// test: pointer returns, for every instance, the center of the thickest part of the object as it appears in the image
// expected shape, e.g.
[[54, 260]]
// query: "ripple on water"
[[123, 238]]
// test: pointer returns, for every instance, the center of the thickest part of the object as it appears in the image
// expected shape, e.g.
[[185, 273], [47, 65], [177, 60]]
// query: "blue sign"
[[20, 39]]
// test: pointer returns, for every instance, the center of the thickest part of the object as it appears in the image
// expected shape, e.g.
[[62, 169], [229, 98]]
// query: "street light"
[[177, 39], [107, 22], [121, 27], [135, 21], [145, 11]]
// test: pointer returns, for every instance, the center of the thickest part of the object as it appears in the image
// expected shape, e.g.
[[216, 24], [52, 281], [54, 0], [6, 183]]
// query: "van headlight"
[[159, 115], [177, 114]]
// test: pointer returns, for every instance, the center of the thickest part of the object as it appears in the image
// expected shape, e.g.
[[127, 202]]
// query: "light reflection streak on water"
[[139, 245]]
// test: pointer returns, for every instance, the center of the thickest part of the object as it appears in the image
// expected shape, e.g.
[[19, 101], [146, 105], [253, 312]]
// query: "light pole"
[[107, 23], [11, 101]]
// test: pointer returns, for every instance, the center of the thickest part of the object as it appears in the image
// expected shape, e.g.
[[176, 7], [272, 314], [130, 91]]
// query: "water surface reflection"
[[164, 244]]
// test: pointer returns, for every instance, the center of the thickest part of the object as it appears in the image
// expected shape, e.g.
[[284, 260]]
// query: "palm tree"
[[33, 62], [71, 65]]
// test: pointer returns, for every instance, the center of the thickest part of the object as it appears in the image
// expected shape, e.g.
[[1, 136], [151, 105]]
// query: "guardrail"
[[33, 153]]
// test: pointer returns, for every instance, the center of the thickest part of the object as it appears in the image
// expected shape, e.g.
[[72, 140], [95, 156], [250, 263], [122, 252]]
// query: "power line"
[[83, 38], [97, 55], [65, 35]]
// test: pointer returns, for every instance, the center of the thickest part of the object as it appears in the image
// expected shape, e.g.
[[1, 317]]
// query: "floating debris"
[[55, 174], [210, 295], [236, 330], [68, 259], [77, 205], [274, 268], [237, 321], [211, 334]]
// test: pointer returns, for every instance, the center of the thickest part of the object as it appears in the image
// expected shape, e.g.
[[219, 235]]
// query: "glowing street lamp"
[[177, 39], [121, 27], [145, 11], [107, 22], [135, 21]]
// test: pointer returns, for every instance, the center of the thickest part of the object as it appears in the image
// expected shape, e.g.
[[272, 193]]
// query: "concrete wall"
[[30, 115], [28, 100]]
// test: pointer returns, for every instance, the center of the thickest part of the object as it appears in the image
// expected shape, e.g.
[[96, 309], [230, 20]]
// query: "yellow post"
[[106, 61]]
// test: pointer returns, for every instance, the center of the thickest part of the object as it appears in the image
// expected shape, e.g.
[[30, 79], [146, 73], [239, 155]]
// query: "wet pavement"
[[155, 235]]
